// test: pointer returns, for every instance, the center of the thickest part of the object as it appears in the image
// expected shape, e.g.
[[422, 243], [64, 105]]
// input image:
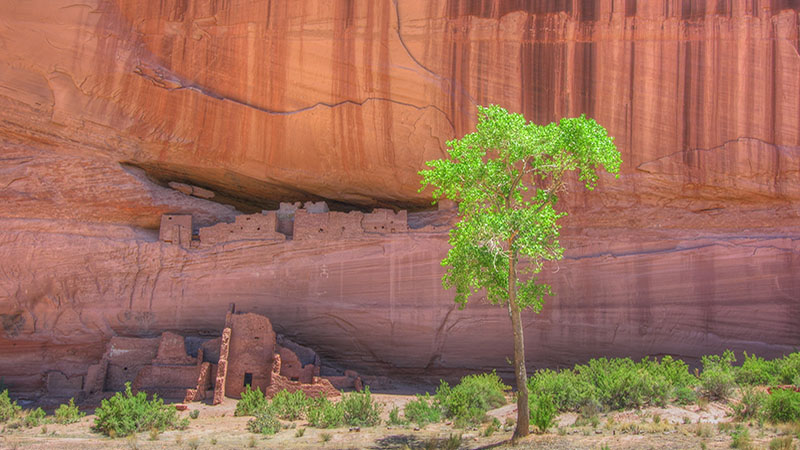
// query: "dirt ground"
[[216, 428]]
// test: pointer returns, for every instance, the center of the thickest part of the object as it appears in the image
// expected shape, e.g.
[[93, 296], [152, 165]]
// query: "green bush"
[[394, 417], [783, 405], [621, 383], [788, 368], [251, 402], [264, 422], [68, 413], [568, 391], [423, 410], [360, 409], [126, 413], [685, 395], [749, 407], [468, 401], [718, 377], [543, 412], [35, 417], [322, 413], [757, 371], [290, 405], [8, 408]]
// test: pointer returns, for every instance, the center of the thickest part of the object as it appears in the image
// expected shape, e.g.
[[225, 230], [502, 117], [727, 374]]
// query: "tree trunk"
[[523, 410]]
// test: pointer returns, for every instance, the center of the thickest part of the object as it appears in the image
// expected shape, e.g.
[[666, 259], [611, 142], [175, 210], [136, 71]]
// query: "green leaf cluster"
[[506, 177]]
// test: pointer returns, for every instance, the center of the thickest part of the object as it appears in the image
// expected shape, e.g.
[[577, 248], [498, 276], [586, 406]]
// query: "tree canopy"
[[506, 177]]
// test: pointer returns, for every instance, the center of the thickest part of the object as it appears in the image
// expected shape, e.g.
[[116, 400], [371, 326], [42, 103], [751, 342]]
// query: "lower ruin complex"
[[247, 353]]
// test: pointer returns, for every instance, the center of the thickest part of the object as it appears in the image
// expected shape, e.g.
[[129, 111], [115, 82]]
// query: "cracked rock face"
[[103, 103]]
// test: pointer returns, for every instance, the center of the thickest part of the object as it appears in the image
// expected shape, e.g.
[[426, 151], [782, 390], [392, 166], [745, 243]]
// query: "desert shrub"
[[265, 421], [8, 408], [68, 413], [621, 383], [543, 412], [788, 369], [126, 413], [360, 409], [718, 377], [34, 417], [322, 413], [568, 391], [194, 414], [251, 402], [783, 405], [423, 410], [469, 400], [685, 395], [394, 417], [290, 405], [757, 371], [750, 404]]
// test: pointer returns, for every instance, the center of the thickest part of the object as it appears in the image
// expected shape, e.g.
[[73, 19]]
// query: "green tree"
[[506, 177]]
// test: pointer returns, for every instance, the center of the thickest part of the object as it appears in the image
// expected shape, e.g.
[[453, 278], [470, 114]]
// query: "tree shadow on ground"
[[399, 441]]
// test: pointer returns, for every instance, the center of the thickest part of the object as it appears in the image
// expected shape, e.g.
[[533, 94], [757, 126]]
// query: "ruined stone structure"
[[252, 348], [312, 221], [176, 228], [246, 227], [247, 353]]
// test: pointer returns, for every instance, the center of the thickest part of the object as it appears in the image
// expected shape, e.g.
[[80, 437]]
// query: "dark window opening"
[[248, 379], [294, 378]]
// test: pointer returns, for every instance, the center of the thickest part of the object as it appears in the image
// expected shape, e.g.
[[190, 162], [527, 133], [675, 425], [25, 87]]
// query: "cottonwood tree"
[[506, 178]]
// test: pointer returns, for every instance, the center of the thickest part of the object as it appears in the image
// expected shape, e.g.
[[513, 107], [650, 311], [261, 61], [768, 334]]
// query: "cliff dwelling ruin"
[[248, 353]]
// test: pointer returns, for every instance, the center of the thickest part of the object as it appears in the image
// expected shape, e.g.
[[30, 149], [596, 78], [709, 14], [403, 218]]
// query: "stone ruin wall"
[[163, 365], [311, 221]]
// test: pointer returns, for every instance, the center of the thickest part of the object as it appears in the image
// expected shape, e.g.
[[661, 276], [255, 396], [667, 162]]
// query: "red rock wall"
[[692, 250]]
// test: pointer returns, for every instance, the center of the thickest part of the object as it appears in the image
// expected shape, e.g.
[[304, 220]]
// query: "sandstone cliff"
[[694, 249]]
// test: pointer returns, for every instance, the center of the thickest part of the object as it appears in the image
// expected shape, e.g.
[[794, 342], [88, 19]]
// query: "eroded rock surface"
[[103, 103]]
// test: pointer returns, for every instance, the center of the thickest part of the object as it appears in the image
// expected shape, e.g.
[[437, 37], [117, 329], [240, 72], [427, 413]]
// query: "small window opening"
[[248, 379], [295, 378], [321, 230]]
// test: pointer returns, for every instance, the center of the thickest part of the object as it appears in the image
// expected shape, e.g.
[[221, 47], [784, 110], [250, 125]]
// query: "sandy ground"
[[216, 427]]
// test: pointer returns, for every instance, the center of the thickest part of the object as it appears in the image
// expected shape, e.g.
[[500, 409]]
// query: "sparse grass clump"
[[423, 410], [468, 401], [194, 414], [126, 413], [740, 438], [394, 417], [68, 413], [782, 443]]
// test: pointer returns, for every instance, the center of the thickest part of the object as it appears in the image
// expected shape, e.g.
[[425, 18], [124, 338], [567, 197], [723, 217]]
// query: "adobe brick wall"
[[246, 227], [385, 221], [252, 347], [176, 228], [126, 356], [172, 350], [327, 226], [59, 385]]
